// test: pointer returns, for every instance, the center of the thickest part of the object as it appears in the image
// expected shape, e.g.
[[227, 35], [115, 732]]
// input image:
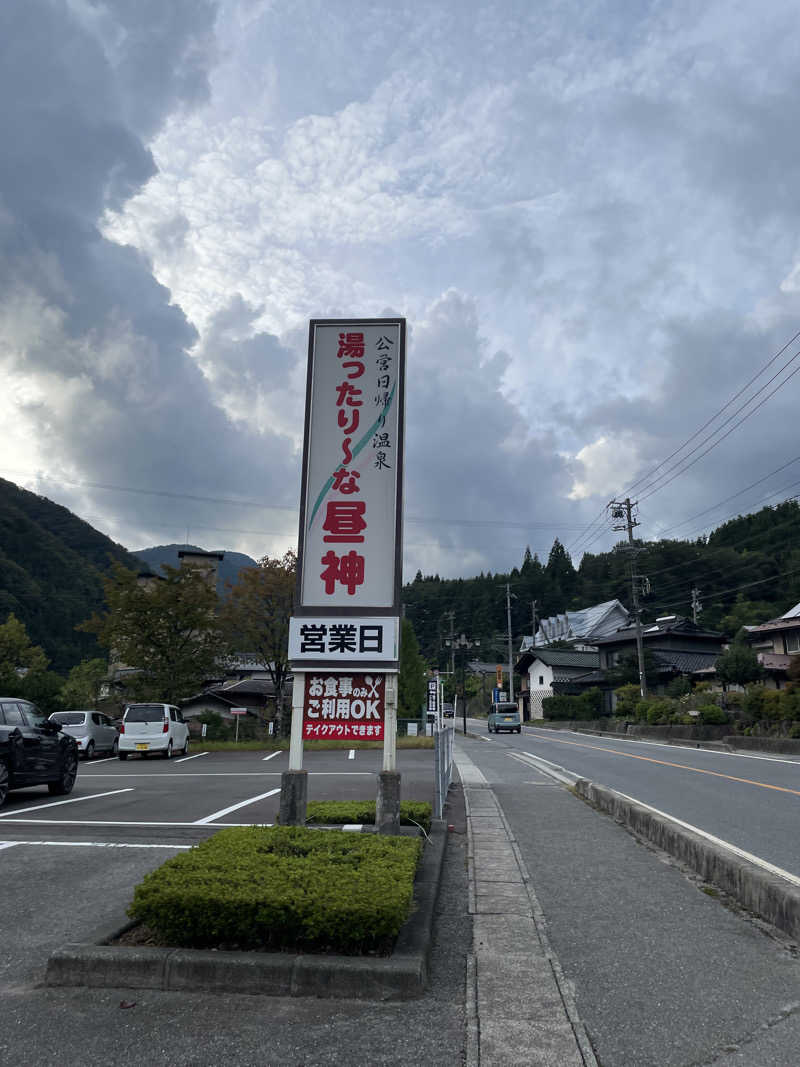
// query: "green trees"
[[18, 656], [413, 674], [166, 628], [255, 619], [83, 684], [739, 665]]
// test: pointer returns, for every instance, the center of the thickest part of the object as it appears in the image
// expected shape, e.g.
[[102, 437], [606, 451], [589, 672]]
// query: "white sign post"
[[349, 569], [237, 712]]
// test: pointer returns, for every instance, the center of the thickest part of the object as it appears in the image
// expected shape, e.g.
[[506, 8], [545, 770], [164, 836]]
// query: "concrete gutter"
[[401, 976], [758, 886]]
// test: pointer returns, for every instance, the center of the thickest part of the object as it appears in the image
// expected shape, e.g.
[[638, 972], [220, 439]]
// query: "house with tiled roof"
[[579, 628], [542, 670], [775, 643]]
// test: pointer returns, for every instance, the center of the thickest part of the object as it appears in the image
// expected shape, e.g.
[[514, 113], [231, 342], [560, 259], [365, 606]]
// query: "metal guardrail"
[[443, 766]]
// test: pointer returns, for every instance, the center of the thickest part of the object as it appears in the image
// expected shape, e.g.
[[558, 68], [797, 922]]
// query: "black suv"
[[33, 751]]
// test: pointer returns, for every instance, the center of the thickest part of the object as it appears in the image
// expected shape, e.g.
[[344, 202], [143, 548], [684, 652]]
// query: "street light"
[[462, 644]]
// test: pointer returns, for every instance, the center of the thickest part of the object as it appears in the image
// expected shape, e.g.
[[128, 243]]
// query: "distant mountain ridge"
[[229, 568]]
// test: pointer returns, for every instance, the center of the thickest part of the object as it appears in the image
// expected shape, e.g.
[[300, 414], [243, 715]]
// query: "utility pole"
[[697, 607], [622, 513], [510, 657]]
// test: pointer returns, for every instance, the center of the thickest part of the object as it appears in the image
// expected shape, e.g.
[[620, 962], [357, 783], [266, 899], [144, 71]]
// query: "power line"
[[738, 588], [727, 499], [716, 415], [727, 433]]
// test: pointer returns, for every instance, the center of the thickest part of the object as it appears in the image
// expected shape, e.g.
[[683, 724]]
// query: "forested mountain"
[[51, 563], [229, 568], [746, 571]]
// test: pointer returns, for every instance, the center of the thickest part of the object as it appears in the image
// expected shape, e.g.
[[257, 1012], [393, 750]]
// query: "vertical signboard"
[[350, 522]]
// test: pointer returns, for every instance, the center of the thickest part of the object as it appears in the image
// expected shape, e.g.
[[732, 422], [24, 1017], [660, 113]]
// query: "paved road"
[[750, 801], [664, 974], [66, 869]]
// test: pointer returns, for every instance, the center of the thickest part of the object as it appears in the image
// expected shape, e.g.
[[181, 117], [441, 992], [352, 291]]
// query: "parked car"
[[34, 750], [93, 731], [505, 716], [153, 728]]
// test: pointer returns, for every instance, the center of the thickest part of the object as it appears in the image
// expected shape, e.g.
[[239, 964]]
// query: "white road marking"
[[763, 864], [547, 735], [121, 822], [272, 755], [351, 754], [89, 844], [183, 759], [104, 760], [235, 807], [72, 800], [227, 774]]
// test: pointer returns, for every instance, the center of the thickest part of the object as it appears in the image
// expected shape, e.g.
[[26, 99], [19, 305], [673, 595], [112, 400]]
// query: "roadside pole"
[[294, 782], [387, 805]]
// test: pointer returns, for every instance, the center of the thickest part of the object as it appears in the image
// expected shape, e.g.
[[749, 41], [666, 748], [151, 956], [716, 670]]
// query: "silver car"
[[93, 731]]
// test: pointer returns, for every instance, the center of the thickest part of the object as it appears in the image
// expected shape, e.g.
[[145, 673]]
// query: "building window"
[[541, 679], [793, 642]]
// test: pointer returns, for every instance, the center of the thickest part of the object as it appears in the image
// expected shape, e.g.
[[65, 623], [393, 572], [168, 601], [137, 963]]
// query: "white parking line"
[[272, 755], [72, 800], [229, 774], [122, 822], [351, 754], [104, 760], [89, 844], [235, 807], [183, 759]]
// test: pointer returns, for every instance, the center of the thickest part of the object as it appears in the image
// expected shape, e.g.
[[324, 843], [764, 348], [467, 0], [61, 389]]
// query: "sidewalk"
[[519, 1009]]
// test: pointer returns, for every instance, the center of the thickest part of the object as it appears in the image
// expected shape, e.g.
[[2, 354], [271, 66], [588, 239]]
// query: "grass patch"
[[283, 887], [339, 812], [271, 745]]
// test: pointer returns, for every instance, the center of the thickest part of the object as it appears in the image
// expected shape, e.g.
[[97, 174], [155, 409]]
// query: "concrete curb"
[[767, 895], [401, 976]]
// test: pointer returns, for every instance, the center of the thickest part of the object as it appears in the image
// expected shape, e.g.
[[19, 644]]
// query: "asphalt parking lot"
[[156, 800], [69, 865]]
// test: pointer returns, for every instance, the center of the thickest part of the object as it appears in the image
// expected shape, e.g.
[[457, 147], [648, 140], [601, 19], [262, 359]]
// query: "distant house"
[[776, 642], [677, 646], [579, 628], [257, 695], [542, 670]]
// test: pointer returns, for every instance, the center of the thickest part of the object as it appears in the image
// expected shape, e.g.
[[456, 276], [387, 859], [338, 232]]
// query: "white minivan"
[[153, 728]]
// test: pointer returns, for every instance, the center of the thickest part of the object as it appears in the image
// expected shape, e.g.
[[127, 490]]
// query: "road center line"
[[680, 766], [235, 807], [197, 755], [72, 800], [272, 755]]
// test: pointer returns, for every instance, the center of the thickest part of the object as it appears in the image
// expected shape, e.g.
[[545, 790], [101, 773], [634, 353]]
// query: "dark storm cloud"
[[119, 399]]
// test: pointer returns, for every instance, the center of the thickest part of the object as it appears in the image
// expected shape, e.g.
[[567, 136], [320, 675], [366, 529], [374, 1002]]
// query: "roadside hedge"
[[339, 812], [281, 887]]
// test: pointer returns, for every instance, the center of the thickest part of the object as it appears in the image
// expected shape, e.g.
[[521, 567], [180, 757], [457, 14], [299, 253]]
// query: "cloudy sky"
[[588, 211]]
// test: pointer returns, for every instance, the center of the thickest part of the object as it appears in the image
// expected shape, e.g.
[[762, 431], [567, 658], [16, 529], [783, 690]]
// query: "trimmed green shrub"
[[712, 714], [564, 706], [339, 812], [258, 887]]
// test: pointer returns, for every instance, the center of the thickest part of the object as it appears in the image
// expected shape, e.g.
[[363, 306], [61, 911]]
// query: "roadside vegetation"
[[341, 812], [282, 888]]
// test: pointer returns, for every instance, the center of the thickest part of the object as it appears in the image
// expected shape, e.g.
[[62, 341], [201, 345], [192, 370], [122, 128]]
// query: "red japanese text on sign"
[[345, 706]]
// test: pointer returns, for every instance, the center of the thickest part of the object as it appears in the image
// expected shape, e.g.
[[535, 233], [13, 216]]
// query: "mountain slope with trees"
[[51, 568]]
